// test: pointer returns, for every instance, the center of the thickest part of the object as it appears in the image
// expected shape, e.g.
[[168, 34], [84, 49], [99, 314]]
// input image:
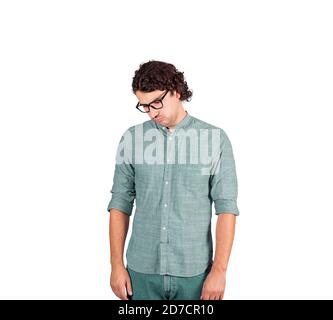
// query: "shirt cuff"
[[226, 206], [121, 205]]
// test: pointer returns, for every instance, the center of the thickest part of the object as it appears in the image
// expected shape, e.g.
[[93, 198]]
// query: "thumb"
[[129, 287], [201, 295]]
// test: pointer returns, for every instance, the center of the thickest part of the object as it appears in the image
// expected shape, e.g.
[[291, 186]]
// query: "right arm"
[[120, 280], [118, 228], [120, 208]]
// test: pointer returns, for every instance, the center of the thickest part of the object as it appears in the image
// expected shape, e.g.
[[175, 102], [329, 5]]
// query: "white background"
[[261, 70]]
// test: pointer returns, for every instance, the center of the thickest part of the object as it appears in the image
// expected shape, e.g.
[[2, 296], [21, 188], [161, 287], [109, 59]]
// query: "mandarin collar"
[[182, 124]]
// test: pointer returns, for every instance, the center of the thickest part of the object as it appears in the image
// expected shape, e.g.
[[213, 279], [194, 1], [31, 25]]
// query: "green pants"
[[166, 287]]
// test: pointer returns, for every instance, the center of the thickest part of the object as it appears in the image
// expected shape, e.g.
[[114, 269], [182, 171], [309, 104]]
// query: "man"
[[174, 184]]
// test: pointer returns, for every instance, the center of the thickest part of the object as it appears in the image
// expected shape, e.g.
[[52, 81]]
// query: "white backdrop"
[[261, 70]]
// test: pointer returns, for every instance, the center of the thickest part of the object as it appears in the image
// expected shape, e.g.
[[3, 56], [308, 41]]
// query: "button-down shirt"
[[173, 177]]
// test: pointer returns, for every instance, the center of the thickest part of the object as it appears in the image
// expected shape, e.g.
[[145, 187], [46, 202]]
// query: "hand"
[[120, 282], [214, 285]]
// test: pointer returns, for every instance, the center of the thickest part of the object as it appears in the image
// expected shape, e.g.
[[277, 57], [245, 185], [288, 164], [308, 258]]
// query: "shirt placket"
[[166, 199]]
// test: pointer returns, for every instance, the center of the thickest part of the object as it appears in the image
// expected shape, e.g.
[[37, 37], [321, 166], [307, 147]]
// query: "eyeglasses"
[[156, 104]]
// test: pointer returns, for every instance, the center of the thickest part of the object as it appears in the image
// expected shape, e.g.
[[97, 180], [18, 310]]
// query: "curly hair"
[[159, 75]]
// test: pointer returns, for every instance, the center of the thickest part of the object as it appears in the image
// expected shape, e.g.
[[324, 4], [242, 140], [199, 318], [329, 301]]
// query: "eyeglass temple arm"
[[149, 104]]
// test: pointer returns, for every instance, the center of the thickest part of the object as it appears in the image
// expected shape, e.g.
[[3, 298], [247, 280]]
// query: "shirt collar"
[[182, 124]]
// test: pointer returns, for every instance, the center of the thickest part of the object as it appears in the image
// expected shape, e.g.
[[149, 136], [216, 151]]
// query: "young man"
[[174, 183]]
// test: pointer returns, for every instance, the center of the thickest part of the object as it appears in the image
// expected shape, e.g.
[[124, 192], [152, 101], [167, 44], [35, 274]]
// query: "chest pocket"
[[195, 179]]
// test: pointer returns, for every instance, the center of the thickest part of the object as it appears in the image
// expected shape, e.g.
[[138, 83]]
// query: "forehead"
[[147, 97]]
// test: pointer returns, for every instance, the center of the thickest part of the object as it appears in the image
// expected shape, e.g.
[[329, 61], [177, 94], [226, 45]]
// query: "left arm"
[[214, 285], [224, 189], [225, 231]]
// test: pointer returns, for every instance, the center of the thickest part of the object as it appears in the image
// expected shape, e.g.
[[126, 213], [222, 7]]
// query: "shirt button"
[[166, 182], [164, 228], [165, 205], [170, 138]]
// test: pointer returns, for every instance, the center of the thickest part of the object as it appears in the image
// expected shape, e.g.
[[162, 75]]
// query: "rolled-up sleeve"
[[123, 188], [223, 181]]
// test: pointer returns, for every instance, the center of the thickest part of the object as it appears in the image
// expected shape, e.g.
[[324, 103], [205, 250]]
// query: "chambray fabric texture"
[[165, 287], [171, 230]]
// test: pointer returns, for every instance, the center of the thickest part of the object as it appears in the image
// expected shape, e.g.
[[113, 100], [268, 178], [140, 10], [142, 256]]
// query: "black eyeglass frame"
[[149, 104]]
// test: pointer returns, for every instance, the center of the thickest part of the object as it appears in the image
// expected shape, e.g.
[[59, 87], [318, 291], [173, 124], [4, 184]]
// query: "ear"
[[177, 94]]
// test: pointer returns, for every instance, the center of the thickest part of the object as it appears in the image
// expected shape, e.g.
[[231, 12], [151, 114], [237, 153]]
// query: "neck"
[[181, 115]]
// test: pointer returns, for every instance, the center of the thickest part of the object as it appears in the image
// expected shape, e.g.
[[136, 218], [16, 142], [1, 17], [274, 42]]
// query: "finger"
[[129, 287], [124, 294], [204, 296], [121, 294], [117, 293]]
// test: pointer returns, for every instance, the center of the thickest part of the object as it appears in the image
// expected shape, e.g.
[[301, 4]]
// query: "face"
[[167, 115]]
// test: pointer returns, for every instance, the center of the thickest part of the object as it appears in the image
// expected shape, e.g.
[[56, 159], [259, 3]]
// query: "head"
[[151, 81]]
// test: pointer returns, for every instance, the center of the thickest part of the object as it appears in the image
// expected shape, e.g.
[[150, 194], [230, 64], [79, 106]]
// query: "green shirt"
[[173, 188]]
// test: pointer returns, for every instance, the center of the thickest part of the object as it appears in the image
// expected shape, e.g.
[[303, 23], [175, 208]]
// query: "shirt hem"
[[205, 269]]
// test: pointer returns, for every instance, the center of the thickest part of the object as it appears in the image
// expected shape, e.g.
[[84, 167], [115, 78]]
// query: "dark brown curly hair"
[[159, 75]]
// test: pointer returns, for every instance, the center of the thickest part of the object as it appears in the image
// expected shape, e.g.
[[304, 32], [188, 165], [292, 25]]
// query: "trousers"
[[166, 287]]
